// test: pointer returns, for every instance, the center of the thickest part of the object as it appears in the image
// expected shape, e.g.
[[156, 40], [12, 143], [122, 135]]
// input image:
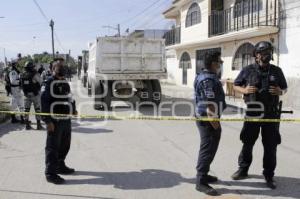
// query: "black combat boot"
[[55, 179], [206, 189], [270, 183], [14, 119], [22, 120], [39, 125], [240, 175], [65, 170], [28, 126]]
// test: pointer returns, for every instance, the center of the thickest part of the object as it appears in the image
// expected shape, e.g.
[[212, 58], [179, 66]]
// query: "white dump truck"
[[121, 68]]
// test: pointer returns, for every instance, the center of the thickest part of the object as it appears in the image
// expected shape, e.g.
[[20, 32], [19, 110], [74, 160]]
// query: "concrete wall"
[[289, 44], [289, 38], [172, 67]]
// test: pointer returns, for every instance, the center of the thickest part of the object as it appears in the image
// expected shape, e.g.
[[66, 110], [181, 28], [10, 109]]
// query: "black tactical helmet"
[[262, 46], [13, 63], [29, 64]]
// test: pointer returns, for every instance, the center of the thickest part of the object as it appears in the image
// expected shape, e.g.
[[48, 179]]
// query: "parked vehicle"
[[122, 67]]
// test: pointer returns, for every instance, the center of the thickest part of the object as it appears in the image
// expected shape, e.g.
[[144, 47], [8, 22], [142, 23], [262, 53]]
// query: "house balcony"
[[260, 15], [173, 36]]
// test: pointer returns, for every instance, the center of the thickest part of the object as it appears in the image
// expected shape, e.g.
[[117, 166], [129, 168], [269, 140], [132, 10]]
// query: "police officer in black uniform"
[[210, 102], [56, 100], [261, 83]]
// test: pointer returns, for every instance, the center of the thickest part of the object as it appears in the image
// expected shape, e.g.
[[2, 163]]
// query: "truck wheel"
[[97, 98], [147, 92], [89, 89], [156, 95], [107, 85]]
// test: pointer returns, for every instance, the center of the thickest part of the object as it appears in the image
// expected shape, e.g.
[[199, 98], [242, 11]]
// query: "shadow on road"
[[286, 187], [8, 128], [90, 130], [145, 179]]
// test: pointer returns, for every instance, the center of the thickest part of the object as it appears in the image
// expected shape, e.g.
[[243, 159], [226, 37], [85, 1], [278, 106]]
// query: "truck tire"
[[108, 97], [98, 90], [147, 92], [156, 94]]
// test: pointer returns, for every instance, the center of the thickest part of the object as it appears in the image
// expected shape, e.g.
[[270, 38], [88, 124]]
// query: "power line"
[[58, 41], [149, 18], [41, 11], [140, 13], [47, 20]]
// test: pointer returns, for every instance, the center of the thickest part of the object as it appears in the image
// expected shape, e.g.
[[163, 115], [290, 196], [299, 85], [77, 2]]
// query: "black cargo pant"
[[57, 145], [270, 139], [210, 139]]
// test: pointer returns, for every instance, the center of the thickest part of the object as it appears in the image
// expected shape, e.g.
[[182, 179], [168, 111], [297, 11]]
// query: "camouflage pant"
[[36, 101]]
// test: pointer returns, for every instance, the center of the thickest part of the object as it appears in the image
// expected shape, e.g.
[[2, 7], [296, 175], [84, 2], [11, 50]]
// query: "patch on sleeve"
[[208, 86], [210, 94], [43, 89]]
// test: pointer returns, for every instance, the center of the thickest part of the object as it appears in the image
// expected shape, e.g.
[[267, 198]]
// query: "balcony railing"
[[173, 36], [246, 14]]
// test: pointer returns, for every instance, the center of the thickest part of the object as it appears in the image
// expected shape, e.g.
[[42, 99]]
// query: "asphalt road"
[[140, 159]]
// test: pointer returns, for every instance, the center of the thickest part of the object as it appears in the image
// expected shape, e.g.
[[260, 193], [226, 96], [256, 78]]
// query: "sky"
[[24, 29]]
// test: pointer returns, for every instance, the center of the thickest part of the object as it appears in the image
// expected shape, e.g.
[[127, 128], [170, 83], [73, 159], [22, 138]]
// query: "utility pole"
[[5, 59], [119, 30], [34, 37], [52, 36]]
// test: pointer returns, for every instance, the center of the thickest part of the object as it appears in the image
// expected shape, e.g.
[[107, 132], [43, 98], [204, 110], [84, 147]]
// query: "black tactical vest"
[[28, 85]]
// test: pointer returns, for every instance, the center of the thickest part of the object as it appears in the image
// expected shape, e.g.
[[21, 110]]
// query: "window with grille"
[[243, 56], [245, 7], [193, 16], [185, 61]]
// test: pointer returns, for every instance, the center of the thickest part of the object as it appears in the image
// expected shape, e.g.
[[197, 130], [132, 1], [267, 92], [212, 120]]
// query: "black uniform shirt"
[[56, 98]]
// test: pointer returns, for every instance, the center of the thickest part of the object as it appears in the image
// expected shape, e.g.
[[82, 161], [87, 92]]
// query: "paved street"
[[140, 159]]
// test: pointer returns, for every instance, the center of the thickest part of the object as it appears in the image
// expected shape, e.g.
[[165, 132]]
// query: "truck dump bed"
[[111, 55]]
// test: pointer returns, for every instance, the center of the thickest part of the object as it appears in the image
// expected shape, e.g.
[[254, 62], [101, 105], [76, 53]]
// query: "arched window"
[[193, 16], [185, 61], [243, 56]]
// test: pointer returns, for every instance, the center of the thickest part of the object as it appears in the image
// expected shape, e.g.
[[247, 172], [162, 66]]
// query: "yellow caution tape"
[[165, 118]]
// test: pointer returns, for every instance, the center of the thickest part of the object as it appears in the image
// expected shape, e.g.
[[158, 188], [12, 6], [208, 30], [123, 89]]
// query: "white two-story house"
[[232, 27]]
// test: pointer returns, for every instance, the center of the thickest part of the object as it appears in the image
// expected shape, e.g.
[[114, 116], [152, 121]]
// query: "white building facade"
[[232, 27]]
